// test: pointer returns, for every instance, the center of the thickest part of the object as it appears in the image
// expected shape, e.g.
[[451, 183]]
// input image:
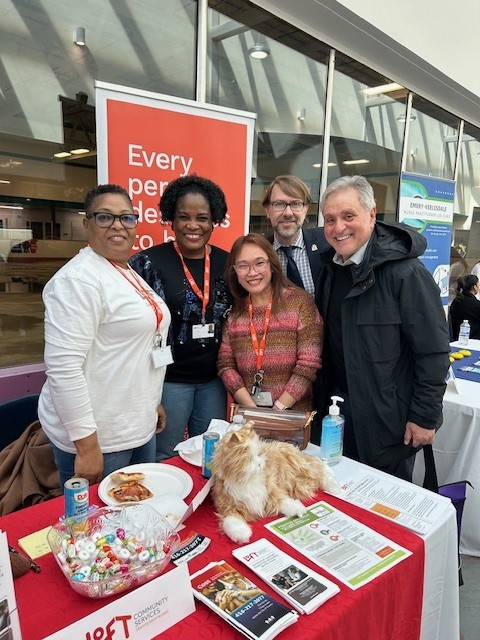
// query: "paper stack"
[[303, 588], [240, 602]]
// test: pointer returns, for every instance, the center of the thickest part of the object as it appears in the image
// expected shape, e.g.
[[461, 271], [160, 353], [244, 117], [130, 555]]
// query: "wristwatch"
[[279, 405]]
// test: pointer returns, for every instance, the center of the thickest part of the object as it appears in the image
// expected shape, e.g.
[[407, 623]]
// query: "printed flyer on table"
[[406, 504], [350, 551]]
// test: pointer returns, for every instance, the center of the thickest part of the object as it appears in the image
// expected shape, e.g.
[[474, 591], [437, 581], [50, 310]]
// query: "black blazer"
[[315, 244]]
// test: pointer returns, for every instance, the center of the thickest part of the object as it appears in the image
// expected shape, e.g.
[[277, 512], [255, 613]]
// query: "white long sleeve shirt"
[[99, 335]]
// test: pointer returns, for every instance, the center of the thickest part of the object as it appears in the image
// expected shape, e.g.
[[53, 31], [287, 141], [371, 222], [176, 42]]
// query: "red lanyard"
[[146, 294], [259, 348], [205, 295]]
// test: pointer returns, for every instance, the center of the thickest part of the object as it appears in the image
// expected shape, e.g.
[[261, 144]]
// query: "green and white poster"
[[426, 204]]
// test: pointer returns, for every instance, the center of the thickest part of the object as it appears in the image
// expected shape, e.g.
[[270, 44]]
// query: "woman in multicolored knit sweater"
[[273, 335]]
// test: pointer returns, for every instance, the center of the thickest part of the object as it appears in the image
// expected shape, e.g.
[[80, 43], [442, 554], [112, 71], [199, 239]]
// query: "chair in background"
[[15, 416], [457, 492]]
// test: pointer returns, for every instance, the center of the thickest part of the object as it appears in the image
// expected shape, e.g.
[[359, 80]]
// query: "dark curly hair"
[[101, 190], [193, 184], [279, 280]]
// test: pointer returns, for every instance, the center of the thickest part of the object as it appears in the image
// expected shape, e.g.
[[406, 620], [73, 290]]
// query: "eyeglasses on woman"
[[242, 268], [105, 220]]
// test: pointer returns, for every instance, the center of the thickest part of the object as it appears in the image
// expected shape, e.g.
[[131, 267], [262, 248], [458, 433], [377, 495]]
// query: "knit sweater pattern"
[[292, 351]]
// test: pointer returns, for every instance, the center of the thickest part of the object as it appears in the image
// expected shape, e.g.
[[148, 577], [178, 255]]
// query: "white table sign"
[[9, 621], [451, 380], [142, 614]]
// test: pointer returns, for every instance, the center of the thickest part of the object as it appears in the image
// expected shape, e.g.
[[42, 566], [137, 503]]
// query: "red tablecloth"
[[389, 607]]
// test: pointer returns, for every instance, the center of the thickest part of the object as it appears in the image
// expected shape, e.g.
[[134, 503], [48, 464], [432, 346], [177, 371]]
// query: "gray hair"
[[361, 186]]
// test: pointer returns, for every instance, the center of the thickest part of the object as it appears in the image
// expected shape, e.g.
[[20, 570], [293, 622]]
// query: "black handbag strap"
[[430, 480]]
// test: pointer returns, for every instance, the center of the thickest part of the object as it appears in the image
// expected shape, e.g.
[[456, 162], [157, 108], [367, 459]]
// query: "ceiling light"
[[302, 113], [359, 161], [11, 206], [403, 118], [77, 152], [259, 51], [383, 88], [62, 154], [5, 182], [79, 36], [317, 165]]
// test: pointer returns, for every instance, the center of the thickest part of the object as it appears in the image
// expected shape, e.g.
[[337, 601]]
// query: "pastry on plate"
[[124, 476], [130, 491]]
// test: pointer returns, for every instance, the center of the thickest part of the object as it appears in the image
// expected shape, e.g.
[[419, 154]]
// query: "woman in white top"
[[105, 337]]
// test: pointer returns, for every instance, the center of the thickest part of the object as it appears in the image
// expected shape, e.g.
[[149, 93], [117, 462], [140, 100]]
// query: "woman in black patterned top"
[[188, 274]]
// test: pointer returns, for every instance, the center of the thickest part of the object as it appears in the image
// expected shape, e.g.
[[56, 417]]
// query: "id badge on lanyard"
[[161, 356], [203, 330], [206, 330], [261, 398]]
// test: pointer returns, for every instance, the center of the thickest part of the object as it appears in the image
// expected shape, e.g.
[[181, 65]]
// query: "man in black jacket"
[[286, 202], [386, 341]]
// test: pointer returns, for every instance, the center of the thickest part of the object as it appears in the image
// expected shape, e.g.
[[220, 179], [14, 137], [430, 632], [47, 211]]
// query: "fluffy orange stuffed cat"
[[254, 478]]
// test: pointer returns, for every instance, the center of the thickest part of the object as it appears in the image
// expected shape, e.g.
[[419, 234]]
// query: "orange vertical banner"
[[146, 140]]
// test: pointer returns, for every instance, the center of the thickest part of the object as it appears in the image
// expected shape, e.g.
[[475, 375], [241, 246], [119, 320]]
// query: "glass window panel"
[[432, 142], [47, 106], [367, 132], [286, 90], [465, 252]]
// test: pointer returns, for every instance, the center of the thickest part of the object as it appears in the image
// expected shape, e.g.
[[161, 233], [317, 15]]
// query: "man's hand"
[[162, 419], [417, 436]]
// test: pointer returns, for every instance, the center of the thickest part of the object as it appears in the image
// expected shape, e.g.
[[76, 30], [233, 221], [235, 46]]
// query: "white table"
[[457, 452], [440, 615]]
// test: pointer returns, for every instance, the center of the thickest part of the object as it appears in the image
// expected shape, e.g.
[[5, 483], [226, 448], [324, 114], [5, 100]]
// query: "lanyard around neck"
[[146, 294], [259, 348], [205, 295]]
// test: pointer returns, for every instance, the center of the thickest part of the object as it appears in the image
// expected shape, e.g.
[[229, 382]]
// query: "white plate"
[[159, 478], [193, 457]]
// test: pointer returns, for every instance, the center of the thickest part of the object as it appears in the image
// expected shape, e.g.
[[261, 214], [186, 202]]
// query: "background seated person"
[[465, 306]]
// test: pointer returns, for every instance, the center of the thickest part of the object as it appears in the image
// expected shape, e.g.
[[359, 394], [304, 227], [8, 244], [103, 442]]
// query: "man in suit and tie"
[[286, 203]]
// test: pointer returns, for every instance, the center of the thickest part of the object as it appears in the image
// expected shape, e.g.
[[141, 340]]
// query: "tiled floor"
[[470, 599]]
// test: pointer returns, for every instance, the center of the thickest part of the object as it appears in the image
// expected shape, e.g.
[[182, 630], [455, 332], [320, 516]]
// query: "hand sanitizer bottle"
[[464, 334], [332, 434]]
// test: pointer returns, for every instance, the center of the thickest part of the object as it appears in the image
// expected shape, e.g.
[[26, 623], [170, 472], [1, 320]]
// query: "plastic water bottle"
[[236, 423], [464, 334], [332, 434]]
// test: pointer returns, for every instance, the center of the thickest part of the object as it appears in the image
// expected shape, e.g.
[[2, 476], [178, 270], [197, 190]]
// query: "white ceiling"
[[447, 75]]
